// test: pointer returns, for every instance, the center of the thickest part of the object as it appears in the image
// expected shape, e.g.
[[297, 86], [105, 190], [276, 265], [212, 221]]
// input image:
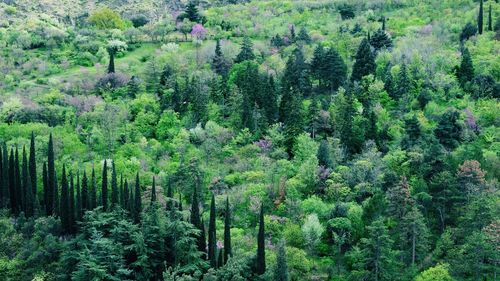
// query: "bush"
[[346, 11], [468, 31]]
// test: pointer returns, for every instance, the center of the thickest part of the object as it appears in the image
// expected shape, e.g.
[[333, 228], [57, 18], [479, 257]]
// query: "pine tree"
[[137, 199], [32, 168], [480, 17], [246, 52], [380, 40], [415, 236], [345, 126], [29, 204], [153, 192], [51, 178], [402, 83], [413, 131], [72, 204], [3, 198], [465, 72], [104, 187], [281, 269], [93, 191], [114, 186], [85, 193], [365, 61], [260, 262], [65, 204], [212, 238], [227, 233], [191, 12], [219, 63], [304, 36], [317, 65], [448, 130], [79, 205], [334, 70]]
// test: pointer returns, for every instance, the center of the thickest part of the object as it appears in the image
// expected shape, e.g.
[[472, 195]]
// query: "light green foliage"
[[312, 230], [105, 18], [436, 273]]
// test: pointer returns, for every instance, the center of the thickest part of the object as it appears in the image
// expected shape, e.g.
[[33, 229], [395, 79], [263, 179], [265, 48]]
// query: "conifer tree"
[[85, 193], [196, 220], [32, 168], [93, 191], [5, 176], [490, 19], [304, 36], [191, 12], [227, 233], [18, 183], [402, 83], [281, 269], [72, 204], [380, 40], [246, 52], [12, 182], [415, 236], [29, 204], [51, 178], [46, 189], [219, 63], [2, 186], [324, 157], [365, 61], [153, 192], [78, 205], [480, 17], [65, 203], [104, 187], [465, 72], [260, 265], [137, 199], [169, 204], [114, 186], [345, 125], [126, 197], [335, 70], [57, 203], [212, 238]]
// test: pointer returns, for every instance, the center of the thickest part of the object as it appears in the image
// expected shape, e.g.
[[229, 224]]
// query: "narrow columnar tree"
[[260, 262], [490, 19], [64, 205], [114, 186], [12, 182], [126, 197], [480, 17], [281, 270], [32, 168], [227, 233], [5, 176], [212, 238], [153, 192], [29, 204], [104, 186], [85, 192], [71, 201], [196, 220], [18, 182], [121, 192], [45, 183], [169, 204], [51, 178], [79, 204], [465, 72], [57, 205], [93, 191], [137, 199], [2, 196]]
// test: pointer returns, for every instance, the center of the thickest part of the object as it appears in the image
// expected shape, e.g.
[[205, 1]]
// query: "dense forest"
[[242, 140]]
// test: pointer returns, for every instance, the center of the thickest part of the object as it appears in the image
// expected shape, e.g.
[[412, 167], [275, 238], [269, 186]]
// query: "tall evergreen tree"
[[12, 183], [170, 200], [402, 83], [449, 130], [415, 236], [153, 192], [490, 19], [29, 204], [65, 203], [114, 186], [18, 183], [72, 204], [246, 52], [46, 189], [334, 70], [57, 203], [3, 198], [32, 168], [191, 12], [260, 262], [219, 63], [104, 186], [365, 61], [480, 17], [93, 191], [380, 40], [228, 252], [304, 36], [51, 178], [465, 72], [85, 193], [137, 199], [121, 192], [78, 205], [196, 220], [281, 269], [5, 176], [126, 197], [212, 238]]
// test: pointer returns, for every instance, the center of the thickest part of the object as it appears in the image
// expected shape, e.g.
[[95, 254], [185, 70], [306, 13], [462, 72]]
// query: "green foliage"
[[105, 18]]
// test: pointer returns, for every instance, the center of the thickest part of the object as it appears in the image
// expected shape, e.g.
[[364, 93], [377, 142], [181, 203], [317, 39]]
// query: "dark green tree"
[[32, 168], [93, 191], [51, 178], [28, 197], [480, 17], [219, 63], [85, 201], [65, 203], [304, 36], [415, 242], [111, 64], [228, 252], [246, 52], [490, 19], [18, 192], [281, 269], [78, 204], [380, 39], [104, 186], [191, 12], [137, 199], [12, 183], [448, 130], [365, 61], [72, 208], [413, 131], [212, 238], [334, 70], [114, 186], [196, 220], [402, 87], [465, 72], [5, 177], [260, 260], [468, 31], [45, 183], [126, 196], [3, 198], [324, 154], [153, 192]]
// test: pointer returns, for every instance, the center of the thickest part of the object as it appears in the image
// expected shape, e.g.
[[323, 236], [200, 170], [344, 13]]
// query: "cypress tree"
[[246, 52], [71, 201], [27, 190], [57, 205], [65, 204], [45, 186], [131, 202], [5, 176], [465, 73], [79, 204], [121, 192], [114, 186], [196, 221], [93, 191], [180, 202], [490, 20], [51, 178], [111, 65], [480, 18], [2, 188], [104, 187], [137, 199], [126, 196], [12, 182], [153, 192], [281, 270], [85, 193], [212, 238], [365, 61], [18, 183], [169, 204], [227, 233], [260, 265], [32, 167]]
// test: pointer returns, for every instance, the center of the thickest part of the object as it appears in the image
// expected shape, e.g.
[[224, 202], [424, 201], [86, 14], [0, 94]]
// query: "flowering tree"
[[198, 32]]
